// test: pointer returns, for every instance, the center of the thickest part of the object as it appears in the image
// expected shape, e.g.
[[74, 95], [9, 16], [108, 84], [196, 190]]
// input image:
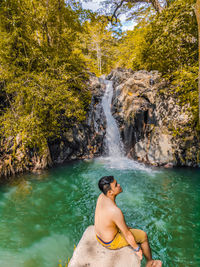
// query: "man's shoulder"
[[117, 210], [100, 196], [108, 205], [114, 210]]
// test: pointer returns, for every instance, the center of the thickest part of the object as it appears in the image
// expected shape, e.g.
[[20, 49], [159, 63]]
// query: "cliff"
[[83, 140], [154, 127]]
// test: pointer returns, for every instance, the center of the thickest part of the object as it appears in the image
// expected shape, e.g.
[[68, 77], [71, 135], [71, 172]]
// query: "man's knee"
[[139, 235], [145, 236]]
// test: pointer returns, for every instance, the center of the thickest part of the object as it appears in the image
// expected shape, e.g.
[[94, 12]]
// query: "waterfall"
[[116, 155], [113, 140]]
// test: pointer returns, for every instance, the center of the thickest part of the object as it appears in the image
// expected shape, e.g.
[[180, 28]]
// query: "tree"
[[97, 44], [129, 52], [41, 70], [167, 42], [198, 21], [124, 6]]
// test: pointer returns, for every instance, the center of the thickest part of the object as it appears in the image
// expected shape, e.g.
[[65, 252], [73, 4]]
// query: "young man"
[[110, 226]]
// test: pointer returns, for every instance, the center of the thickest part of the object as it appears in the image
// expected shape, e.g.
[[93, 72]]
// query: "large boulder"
[[89, 253]]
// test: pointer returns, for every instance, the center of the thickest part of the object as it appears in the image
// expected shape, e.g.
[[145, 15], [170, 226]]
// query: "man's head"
[[108, 185]]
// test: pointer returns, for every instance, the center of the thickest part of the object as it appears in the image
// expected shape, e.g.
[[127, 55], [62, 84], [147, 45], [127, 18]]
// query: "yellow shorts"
[[119, 240]]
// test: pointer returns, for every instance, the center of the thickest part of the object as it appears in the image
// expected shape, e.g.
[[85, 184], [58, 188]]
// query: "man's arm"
[[118, 219], [121, 224]]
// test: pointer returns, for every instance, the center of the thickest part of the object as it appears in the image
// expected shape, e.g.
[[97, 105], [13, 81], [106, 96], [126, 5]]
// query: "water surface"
[[44, 216]]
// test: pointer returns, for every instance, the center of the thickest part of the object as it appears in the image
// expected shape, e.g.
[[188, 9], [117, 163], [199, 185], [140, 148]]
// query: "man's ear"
[[110, 192]]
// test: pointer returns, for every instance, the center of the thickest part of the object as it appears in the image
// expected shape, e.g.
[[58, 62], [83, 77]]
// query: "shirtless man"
[[110, 226]]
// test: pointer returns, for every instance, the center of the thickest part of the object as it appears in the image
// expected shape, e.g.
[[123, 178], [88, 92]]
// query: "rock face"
[[86, 139], [91, 254], [155, 129]]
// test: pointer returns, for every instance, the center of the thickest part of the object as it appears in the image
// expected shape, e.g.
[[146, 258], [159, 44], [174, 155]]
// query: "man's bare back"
[[105, 227]]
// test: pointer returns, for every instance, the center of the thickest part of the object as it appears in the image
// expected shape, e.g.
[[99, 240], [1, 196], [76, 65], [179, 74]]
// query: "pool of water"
[[44, 216]]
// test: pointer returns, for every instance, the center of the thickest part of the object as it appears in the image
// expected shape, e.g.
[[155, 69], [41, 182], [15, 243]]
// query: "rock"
[[84, 140], [69, 135], [92, 254], [168, 166], [154, 127]]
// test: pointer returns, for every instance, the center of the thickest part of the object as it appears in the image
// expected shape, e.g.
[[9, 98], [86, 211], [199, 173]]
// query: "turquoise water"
[[44, 216]]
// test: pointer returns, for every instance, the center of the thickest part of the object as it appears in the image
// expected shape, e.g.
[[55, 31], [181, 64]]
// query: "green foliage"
[[42, 107], [171, 40], [41, 70], [46, 46], [185, 87], [98, 45], [129, 52], [167, 42]]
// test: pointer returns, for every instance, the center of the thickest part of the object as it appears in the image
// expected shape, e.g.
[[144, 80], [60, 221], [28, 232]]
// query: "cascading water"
[[113, 140], [116, 154]]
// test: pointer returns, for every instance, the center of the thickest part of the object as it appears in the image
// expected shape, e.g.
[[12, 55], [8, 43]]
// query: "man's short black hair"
[[104, 183]]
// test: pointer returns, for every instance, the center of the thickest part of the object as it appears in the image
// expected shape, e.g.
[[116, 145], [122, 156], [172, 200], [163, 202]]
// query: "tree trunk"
[[155, 3], [99, 57], [198, 21]]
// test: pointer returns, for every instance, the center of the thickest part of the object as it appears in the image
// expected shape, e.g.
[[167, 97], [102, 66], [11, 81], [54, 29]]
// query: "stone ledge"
[[89, 253]]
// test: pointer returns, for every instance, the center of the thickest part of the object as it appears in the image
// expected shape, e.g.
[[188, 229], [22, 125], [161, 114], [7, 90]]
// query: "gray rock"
[[154, 127], [91, 254], [84, 140]]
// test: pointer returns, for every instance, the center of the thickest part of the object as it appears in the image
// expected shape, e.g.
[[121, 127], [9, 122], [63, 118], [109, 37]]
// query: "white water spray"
[[116, 156], [113, 140]]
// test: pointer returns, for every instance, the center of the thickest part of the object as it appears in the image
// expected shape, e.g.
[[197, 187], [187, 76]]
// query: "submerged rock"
[[91, 254]]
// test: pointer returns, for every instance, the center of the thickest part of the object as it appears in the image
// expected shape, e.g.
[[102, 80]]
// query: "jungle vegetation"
[[48, 48]]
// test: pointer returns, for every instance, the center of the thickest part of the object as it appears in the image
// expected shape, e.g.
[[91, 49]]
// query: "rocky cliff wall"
[[154, 127], [84, 140]]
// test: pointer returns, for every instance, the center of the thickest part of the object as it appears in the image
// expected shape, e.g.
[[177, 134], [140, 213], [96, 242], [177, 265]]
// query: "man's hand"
[[139, 253]]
